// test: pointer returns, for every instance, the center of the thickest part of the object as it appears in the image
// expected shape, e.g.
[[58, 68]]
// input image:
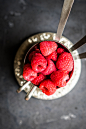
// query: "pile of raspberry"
[[49, 66]]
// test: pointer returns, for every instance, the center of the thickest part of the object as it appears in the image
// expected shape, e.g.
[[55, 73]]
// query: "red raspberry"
[[38, 79], [50, 67], [38, 63], [28, 73], [47, 87], [52, 56], [47, 47], [31, 55], [65, 62], [59, 78], [60, 50]]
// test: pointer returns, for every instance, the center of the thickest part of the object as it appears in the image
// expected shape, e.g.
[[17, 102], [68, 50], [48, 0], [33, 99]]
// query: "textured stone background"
[[20, 19]]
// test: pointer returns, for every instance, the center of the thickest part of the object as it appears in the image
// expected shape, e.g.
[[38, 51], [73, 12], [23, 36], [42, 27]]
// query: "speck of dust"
[[11, 24], [15, 13], [68, 117], [20, 122]]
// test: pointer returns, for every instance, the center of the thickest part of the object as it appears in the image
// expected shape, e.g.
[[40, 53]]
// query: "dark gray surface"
[[20, 19]]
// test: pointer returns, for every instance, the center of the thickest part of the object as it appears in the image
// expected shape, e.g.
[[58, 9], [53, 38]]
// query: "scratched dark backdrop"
[[20, 19]]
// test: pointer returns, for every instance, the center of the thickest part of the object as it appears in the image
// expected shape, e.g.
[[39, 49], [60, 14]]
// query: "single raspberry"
[[52, 56], [47, 87], [60, 50], [47, 47], [31, 55], [28, 73], [40, 77], [59, 78], [50, 67], [65, 62], [38, 63]]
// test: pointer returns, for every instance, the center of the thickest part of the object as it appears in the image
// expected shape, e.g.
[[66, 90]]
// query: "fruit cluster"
[[49, 66]]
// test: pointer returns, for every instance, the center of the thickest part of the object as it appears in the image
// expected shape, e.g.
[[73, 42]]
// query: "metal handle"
[[64, 16], [30, 92], [23, 87], [80, 56], [78, 44]]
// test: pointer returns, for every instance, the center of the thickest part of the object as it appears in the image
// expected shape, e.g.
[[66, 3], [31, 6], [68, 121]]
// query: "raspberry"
[[50, 67], [60, 50], [52, 56], [28, 73], [47, 47], [65, 62], [47, 87], [38, 79], [38, 63], [59, 78], [31, 55]]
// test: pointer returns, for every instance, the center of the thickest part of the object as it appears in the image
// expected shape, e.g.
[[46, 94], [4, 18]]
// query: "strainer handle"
[[80, 56], [23, 87], [78, 44], [64, 16], [30, 92]]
